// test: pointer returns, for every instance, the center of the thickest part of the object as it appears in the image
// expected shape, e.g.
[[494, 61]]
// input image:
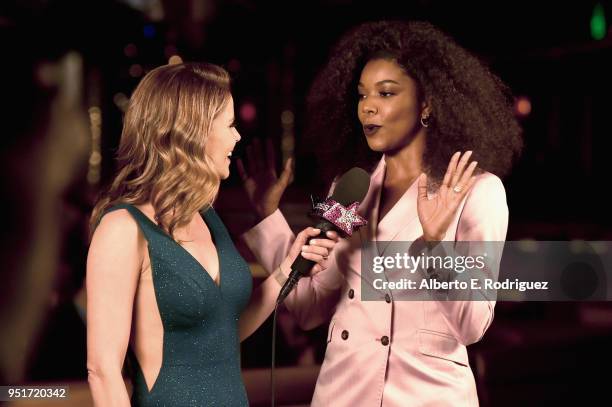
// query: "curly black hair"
[[471, 108]]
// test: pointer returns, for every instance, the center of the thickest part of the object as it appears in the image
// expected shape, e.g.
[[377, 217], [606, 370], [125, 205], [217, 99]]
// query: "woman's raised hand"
[[436, 214], [262, 185]]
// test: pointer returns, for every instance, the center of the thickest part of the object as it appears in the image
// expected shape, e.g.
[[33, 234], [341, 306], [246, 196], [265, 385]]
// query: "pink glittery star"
[[345, 218]]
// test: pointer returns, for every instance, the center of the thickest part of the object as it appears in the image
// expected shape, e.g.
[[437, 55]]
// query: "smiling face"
[[389, 108], [222, 139]]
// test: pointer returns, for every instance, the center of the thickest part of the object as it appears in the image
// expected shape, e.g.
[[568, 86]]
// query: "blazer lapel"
[[369, 207], [402, 215]]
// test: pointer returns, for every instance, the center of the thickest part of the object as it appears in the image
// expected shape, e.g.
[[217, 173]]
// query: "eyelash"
[[233, 124], [383, 94]]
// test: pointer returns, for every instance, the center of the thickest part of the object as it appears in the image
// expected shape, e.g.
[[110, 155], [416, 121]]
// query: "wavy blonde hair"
[[161, 157]]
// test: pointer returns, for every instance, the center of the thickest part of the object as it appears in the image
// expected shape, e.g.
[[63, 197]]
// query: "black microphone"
[[351, 187]]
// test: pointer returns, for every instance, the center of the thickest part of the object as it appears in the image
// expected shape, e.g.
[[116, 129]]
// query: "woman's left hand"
[[318, 250], [436, 214]]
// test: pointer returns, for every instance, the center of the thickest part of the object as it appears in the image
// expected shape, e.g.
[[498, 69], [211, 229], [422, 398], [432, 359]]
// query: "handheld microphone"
[[351, 188]]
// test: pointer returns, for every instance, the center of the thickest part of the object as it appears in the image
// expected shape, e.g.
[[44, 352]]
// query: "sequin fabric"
[[345, 218], [201, 348]]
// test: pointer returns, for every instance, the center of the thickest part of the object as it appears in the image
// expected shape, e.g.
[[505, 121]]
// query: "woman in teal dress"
[[165, 284]]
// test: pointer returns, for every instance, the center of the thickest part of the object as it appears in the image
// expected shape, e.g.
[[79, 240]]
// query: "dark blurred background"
[[69, 67]]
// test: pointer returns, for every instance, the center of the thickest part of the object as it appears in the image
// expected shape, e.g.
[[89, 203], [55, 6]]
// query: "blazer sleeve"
[[484, 218], [314, 298]]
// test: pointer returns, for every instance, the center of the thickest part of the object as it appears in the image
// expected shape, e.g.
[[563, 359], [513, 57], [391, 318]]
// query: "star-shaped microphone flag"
[[345, 218]]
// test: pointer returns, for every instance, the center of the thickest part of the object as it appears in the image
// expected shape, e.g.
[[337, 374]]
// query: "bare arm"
[[263, 299], [113, 266]]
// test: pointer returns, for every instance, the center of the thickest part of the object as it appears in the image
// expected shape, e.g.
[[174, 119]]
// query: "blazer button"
[[345, 334], [384, 340], [387, 298], [351, 293]]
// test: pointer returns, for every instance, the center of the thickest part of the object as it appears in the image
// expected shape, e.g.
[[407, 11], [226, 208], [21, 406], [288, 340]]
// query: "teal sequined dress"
[[201, 349]]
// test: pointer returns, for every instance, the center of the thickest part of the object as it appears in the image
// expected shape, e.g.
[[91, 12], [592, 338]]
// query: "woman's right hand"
[[262, 185]]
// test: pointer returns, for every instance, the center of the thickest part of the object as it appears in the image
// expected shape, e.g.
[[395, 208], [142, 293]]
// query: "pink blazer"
[[390, 353]]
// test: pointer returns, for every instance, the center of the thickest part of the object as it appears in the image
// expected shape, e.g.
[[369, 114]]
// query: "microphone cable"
[[272, 389]]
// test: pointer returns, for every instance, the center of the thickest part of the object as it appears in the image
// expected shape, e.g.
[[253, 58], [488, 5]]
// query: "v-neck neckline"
[[191, 256], [381, 221], [395, 220]]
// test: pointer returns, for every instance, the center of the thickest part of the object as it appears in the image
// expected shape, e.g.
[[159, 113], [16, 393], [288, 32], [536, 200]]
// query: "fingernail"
[[304, 248], [313, 241]]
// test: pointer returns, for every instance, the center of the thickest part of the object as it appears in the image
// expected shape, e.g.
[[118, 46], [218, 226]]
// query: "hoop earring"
[[425, 121]]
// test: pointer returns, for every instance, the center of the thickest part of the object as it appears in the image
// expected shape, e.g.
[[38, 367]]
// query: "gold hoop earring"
[[425, 121]]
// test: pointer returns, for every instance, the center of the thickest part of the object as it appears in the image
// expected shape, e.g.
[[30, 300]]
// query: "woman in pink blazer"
[[401, 99]]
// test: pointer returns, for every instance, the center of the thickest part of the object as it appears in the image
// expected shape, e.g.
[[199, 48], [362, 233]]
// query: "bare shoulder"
[[118, 236], [118, 223]]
